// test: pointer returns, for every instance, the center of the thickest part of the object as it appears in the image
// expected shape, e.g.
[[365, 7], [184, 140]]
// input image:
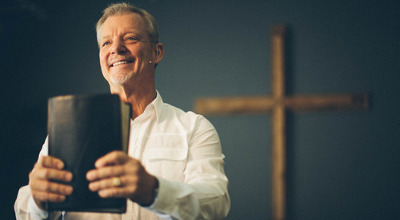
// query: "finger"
[[103, 184], [110, 182], [117, 192], [51, 174], [50, 187], [48, 197], [51, 162], [105, 172], [112, 158]]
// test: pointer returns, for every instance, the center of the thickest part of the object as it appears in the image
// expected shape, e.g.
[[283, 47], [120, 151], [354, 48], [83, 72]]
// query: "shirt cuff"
[[169, 195], [158, 205], [36, 212]]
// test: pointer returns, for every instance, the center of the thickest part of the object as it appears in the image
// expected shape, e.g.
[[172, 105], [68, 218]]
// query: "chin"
[[119, 79]]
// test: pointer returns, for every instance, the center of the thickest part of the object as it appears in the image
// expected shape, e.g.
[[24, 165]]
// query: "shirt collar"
[[158, 104], [155, 107]]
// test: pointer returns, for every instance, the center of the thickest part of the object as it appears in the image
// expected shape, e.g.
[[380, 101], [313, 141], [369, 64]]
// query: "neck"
[[138, 98]]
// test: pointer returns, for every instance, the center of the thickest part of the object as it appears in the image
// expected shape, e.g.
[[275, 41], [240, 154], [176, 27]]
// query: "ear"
[[158, 53]]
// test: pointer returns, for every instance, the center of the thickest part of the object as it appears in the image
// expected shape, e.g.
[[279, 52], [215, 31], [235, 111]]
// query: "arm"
[[203, 194], [42, 188]]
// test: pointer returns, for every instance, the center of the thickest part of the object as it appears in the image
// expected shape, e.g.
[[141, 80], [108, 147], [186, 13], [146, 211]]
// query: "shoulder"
[[188, 119], [170, 110]]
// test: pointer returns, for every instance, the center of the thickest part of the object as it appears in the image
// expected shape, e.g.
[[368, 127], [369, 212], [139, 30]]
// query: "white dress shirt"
[[183, 150]]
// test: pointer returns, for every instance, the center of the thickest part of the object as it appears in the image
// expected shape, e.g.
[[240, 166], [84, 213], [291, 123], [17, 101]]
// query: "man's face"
[[125, 50]]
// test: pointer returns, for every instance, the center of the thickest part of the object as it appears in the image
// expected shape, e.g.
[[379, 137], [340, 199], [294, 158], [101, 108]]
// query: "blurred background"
[[341, 165]]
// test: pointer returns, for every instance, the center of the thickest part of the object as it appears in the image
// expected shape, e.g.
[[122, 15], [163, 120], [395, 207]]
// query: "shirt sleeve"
[[204, 192], [26, 208]]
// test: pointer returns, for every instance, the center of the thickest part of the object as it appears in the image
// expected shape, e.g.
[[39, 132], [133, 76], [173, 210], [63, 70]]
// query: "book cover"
[[81, 129]]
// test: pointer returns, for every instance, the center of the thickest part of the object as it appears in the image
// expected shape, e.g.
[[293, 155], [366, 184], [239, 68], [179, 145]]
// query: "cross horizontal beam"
[[265, 104]]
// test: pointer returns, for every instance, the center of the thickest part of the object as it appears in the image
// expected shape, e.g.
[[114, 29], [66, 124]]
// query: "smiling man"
[[174, 168]]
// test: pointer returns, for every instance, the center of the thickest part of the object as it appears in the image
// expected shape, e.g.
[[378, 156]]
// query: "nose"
[[118, 47]]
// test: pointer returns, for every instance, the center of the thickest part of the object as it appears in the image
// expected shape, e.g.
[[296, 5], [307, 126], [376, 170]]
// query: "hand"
[[41, 181], [136, 183]]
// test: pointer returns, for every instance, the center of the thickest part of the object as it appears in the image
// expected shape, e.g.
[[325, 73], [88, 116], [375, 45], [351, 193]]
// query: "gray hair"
[[126, 8]]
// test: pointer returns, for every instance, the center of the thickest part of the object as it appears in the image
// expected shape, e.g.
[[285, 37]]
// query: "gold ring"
[[116, 181]]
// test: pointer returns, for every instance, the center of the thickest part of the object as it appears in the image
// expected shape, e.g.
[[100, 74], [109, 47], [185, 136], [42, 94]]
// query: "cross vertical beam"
[[278, 124]]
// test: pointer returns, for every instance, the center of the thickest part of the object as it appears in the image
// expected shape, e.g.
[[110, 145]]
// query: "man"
[[174, 168]]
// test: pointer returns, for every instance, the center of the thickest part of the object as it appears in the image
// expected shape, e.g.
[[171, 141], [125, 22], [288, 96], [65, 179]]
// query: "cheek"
[[103, 65], [140, 52], [103, 60]]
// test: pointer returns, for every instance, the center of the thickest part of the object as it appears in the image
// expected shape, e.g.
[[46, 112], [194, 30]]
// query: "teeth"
[[119, 63]]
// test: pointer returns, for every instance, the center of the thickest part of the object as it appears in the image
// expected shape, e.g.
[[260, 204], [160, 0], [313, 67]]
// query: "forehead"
[[119, 24]]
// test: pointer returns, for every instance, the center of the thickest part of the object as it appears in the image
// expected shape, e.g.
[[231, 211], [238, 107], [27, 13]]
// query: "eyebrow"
[[126, 33]]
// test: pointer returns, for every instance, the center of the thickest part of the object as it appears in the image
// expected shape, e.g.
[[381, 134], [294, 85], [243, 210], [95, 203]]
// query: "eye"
[[131, 38], [105, 43]]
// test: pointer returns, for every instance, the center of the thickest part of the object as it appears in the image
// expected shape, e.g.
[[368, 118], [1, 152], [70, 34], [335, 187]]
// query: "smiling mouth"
[[121, 62]]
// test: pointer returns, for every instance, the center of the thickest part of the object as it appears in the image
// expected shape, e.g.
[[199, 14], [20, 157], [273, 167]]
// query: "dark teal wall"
[[341, 165]]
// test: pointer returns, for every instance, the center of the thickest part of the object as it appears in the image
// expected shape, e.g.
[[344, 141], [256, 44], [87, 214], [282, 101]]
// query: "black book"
[[81, 129]]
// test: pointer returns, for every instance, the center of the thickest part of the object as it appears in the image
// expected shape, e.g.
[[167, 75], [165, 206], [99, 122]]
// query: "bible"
[[81, 129]]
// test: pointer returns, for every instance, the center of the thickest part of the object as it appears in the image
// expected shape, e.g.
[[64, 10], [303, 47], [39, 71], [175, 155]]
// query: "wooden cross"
[[277, 105]]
